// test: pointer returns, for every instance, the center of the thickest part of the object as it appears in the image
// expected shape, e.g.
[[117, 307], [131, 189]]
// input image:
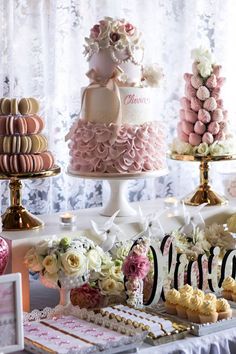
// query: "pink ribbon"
[[98, 81]]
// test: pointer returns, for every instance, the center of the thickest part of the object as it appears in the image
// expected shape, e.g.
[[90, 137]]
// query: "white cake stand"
[[118, 185]]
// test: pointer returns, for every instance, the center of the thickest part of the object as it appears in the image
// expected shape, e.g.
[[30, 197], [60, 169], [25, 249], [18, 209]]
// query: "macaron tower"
[[203, 128], [23, 148]]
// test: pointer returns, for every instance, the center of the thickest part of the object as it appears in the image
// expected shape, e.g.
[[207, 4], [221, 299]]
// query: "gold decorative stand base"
[[16, 217], [204, 193]]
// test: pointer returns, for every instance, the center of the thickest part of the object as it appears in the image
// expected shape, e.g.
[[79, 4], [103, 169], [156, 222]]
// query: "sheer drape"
[[41, 45]]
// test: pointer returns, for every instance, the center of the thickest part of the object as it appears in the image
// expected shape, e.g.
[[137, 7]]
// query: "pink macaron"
[[211, 81], [1, 164], [48, 160], [199, 127], [196, 81], [204, 116], [195, 139], [3, 125], [217, 115], [210, 104], [20, 125], [196, 104], [191, 116], [213, 128], [187, 127], [185, 103], [32, 125], [203, 93], [207, 138], [190, 91]]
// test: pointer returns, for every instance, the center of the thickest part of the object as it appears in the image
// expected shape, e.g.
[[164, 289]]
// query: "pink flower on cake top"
[[117, 131], [203, 127]]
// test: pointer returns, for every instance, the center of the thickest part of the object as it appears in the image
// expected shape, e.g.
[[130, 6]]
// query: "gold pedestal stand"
[[16, 216], [204, 192]]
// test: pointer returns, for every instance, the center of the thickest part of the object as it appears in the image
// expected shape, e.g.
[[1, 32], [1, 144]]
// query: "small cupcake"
[[172, 299], [223, 309], [234, 293], [183, 305], [210, 297], [227, 286], [208, 313], [186, 289], [199, 293], [194, 308]]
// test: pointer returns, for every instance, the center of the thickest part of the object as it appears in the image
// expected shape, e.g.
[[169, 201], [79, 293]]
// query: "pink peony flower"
[[95, 31], [130, 29], [86, 297], [136, 266]]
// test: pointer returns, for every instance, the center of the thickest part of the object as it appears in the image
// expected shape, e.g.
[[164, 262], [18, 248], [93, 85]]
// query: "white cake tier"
[[137, 105]]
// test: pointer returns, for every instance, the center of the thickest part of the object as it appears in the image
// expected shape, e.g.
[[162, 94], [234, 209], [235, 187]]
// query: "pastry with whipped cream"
[[223, 308], [203, 128], [117, 131], [171, 300], [208, 312], [228, 287]]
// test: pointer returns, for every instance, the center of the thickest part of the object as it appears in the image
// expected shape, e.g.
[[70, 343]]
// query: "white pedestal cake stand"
[[118, 186]]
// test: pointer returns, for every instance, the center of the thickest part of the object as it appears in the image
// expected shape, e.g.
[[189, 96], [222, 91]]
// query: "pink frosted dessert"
[[116, 132], [203, 128]]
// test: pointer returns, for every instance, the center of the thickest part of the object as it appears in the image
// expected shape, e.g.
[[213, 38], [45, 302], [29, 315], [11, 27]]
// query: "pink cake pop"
[[195, 68], [182, 114], [217, 70], [187, 77], [203, 93], [213, 128], [220, 81], [190, 91], [217, 115], [220, 103], [210, 104], [207, 138], [211, 81], [204, 116], [185, 103], [196, 81], [215, 93], [199, 127], [187, 127], [220, 135], [194, 139], [190, 116], [196, 104]]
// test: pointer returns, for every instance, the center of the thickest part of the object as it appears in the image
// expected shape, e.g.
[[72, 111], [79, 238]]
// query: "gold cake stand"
[[204, 192], [16, 216]]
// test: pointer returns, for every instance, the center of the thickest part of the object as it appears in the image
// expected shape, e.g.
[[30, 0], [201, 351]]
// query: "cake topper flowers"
[[119, 36], [203, 61]]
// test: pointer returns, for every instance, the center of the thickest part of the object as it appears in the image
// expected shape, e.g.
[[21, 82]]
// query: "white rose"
[[33, 261], [152, 74], [205, 68], [94, 260], [109, 286], [217, 149], [201, 53], [116, 273], [182, 147], [123, 251], [74, 263], [203, 149], [50, 263]]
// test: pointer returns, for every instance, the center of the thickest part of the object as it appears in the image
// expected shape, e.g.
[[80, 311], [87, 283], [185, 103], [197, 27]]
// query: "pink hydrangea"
[[136, 266], [86, 297]]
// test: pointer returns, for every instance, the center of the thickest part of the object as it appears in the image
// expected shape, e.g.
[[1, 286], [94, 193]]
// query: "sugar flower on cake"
[[152, 75]]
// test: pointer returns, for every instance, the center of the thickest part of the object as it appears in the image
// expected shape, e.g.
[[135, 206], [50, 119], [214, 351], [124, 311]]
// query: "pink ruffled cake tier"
[[102, 148]]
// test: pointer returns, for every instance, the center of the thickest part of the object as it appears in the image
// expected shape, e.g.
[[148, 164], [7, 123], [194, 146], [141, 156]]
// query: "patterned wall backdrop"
[[41, 45]]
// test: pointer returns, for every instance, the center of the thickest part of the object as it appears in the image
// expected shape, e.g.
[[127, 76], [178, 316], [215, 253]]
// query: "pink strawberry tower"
[[203, 128]]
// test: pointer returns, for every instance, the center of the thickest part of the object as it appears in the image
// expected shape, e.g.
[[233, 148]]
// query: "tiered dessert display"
[[116, 136], [23, 155], [203, 130]]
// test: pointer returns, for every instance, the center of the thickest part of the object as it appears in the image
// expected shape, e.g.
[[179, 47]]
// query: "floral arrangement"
[[204, 60], [64, 263], [136, 267], [116, 34]]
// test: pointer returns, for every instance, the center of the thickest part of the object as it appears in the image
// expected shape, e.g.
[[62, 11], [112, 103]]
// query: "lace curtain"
[[41, 45]]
